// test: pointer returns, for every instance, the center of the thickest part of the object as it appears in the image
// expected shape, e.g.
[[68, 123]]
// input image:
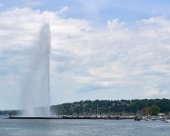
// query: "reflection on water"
[[83, 128]]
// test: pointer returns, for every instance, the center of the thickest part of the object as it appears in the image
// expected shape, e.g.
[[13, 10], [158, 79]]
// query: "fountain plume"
[[36, 91]]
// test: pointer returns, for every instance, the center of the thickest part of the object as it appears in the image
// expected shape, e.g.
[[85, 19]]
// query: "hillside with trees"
[[116, 107]]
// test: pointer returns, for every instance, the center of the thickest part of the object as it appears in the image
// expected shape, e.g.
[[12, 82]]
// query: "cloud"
[[113, 61], [63, 10], [154, 92], [115, 24]]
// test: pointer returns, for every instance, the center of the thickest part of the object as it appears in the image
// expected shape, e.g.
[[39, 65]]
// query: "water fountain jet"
[[36, 93]]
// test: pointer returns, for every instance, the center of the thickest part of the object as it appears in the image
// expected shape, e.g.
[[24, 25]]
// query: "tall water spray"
[[36, 92]]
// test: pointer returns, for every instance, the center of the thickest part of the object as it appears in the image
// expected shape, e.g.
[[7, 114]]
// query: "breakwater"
[[75, 117]]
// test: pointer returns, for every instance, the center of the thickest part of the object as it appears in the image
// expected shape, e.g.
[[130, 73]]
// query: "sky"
[[100, 49]]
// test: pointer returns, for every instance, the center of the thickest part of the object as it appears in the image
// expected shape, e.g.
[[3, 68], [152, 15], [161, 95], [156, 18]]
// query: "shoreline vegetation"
[[113, 107], [108, 109]]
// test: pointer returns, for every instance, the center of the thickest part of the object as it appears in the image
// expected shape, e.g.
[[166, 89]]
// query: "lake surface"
[[83, 128]]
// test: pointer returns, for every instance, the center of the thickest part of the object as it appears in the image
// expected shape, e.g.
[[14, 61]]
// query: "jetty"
[[75, 117]]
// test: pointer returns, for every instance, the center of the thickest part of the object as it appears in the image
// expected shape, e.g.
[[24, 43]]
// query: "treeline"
[[116, 107], [8, 112]]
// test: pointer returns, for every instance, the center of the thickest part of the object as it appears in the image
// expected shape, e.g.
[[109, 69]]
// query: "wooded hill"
[[107, 107]]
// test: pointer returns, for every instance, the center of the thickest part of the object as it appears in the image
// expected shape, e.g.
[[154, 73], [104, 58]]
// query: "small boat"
[[167, 120], [137, 118]]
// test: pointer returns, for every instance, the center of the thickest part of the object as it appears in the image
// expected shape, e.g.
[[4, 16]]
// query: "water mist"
[[36, 91]]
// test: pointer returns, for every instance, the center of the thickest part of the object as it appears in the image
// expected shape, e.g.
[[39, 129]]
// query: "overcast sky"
[[101, 49]]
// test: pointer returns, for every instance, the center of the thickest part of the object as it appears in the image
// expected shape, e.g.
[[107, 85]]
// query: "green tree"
[[151, 110]]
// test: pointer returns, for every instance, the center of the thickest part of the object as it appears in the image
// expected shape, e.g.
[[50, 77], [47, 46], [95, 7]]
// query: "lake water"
[[83, 128]]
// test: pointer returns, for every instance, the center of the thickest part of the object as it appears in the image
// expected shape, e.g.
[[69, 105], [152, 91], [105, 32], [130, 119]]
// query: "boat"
[[137, 118], [167, 120]]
